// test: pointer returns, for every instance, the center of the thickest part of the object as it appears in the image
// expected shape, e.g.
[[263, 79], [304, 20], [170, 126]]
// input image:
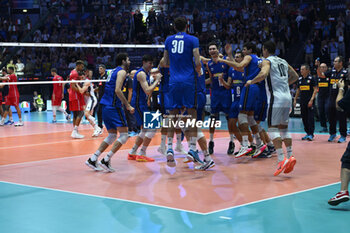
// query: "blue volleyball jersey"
[[237, 82], [217, 69], [164, 84], [252, 70], [180, 49], [139, 97], [109, 97], [201, 80]]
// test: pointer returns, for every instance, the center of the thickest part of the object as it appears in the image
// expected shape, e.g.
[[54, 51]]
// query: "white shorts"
[[91, 103], [278, 112]]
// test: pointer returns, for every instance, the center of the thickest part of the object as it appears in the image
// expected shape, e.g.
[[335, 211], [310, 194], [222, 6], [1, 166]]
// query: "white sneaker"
[[259, 149], [162, 150], [76, 135], [97, 131], [243, 151], [20, 123], [179, 148]]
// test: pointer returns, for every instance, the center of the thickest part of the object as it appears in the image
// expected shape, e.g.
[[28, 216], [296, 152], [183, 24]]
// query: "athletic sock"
[[109, 156], [257, 139], [94, 157], [245, 141], [143, 150], [162, 141], [289, 152], [193, 141], [280, 155], [232, 137], [170, 143], [133, 150], [211, 137]]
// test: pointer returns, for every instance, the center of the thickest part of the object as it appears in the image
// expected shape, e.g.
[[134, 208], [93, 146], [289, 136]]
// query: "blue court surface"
[[39, 210]]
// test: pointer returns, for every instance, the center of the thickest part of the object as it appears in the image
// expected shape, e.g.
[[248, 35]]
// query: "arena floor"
[[46, 187]]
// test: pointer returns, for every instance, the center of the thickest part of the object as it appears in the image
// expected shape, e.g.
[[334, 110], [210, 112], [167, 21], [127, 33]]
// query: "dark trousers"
[[322, 110], [99, 115], [131, 120], [334, 115], [308, 117], [66, 98]]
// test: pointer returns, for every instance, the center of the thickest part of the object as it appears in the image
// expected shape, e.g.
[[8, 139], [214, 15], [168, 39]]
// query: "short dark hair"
[[80, 62], [180, 24], [54, 70], [240, 52], [121, 57], [341, 59], [213, 43], [11, 68], [270, 46], [147, 58], [102, 65], [306, 66], [250, 46]]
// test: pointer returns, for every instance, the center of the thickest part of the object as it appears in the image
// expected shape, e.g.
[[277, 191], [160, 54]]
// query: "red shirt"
[[73, 94], [13, 90], [58, 87]]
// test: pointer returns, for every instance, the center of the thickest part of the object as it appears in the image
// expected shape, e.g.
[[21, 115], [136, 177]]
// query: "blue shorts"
[[182, 95], [113, 117], [234, 110], [220, 102], [164, 102], [249, 96], [260, 111], [201, 101], [139, 110]]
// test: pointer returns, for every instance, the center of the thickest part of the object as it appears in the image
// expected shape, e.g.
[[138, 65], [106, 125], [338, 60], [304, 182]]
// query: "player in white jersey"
[[90, 102], [279, 75]]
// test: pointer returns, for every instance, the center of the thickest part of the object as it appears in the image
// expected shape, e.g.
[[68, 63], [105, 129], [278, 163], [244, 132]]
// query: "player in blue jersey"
[[113, 114], [142, 88], [237, 86], [179, 52], [221, 97], [248, 99]]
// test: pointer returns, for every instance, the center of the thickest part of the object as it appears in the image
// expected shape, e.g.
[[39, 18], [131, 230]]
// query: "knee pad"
[[251, 121], [285, 134], [123, 137], [260, 128], [142, 134], [242, 118], [110, 138], [200, 134], [150, 133], [274, 133]]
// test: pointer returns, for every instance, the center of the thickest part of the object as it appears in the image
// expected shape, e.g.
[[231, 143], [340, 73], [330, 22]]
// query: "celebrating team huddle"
[[245, 87]]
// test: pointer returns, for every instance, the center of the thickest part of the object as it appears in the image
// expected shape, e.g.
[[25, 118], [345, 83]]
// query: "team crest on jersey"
[[212, 69]]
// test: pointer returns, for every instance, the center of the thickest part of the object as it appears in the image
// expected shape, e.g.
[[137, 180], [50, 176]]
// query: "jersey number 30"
[[178, 46]]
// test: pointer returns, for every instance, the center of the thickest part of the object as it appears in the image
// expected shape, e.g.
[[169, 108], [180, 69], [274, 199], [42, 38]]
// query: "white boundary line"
[[103, 197], [271, 198]]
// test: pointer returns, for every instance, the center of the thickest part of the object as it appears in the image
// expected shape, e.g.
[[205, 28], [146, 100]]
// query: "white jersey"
[[277, 81], [90, 100]]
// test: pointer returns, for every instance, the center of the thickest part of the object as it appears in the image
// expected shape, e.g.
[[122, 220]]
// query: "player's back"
[[57, 87], [278, 78], [164, 84], [109, 97], [252, 70], [139, 97], [180, 49]]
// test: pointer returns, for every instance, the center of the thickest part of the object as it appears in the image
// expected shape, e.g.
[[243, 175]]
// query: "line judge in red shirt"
[[57, 95], [76, 98], [12, 99]]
